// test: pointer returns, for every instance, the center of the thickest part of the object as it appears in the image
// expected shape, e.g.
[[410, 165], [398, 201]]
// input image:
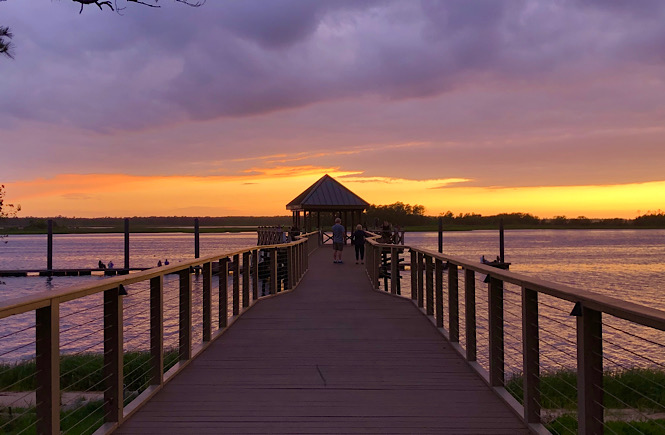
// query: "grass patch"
[[636, 388], [80, 421], [83, 372], [567, 424]]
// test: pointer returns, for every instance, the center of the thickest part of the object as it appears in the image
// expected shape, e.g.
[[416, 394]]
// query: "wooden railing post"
[[453, 303], [590, 372], [207, 301], [420, 280], [470, 313], [394, 270], [496, 347], [157, 330], [377, 266], [291, 266], [223, 292], [531, 355], [47, 349], [414, 275], [255, 274], [185, 318], [299, 261], [368, 261], [429, 286], [113, 356], [273, 271], [438, 291], [236, 284], [245, 279], [49, 245]]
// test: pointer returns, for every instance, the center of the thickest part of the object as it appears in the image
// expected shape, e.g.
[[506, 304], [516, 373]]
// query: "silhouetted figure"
[[110, 266], [101, 265], [358, 241], [166, 262], [338, 240], [159, 263], [386, 231]]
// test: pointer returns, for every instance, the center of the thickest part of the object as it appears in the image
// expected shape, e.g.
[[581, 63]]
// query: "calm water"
[[85, 250], [625, 264]]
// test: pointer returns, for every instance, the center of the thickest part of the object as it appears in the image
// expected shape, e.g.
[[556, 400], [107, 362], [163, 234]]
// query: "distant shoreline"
[[240, 229]]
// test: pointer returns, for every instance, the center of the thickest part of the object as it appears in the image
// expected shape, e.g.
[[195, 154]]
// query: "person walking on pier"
[[358, 241], [338, 240]]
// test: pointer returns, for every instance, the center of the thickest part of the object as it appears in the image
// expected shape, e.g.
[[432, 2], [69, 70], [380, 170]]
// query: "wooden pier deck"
[[333, 356]]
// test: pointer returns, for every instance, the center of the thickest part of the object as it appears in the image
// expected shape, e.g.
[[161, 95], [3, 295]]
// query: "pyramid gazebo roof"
[[327, 194]]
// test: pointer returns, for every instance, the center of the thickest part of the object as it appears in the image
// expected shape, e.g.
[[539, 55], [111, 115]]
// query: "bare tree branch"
[[94, 2], [5, 45]]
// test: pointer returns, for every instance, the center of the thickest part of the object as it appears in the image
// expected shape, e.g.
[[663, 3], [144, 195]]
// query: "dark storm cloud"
[[151, 67]]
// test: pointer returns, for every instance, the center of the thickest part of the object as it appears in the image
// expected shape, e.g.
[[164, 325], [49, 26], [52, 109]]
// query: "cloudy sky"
[[547, 107]]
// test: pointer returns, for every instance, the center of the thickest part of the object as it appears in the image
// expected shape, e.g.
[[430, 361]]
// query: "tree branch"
[[6, 46], [94, 2]]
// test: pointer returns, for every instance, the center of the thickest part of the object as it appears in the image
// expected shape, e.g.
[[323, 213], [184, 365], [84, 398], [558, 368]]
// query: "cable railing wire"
[[656, 363]]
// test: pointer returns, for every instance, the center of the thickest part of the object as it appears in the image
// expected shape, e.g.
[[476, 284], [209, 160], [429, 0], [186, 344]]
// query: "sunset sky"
[[545, 107]]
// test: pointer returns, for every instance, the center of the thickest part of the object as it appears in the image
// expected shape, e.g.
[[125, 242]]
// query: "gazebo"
[[327, 195]]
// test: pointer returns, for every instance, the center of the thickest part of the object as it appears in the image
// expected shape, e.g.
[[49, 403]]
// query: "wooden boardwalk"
[[333, 356]]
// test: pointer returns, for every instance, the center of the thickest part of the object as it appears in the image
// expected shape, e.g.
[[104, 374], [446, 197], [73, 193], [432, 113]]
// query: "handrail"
[[428, 282], [23, 304], [647, 316], [46, 305]]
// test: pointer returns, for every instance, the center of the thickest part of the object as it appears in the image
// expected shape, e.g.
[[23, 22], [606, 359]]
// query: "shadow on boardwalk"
[[333, 356]]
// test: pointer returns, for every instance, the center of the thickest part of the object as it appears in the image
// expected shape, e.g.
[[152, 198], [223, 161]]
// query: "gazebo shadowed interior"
[[326, 196]]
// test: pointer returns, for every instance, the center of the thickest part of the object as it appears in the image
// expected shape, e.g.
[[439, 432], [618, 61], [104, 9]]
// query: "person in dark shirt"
[[358, 241]]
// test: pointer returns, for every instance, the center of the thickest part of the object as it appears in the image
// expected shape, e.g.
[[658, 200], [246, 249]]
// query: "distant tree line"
[[407, 215]]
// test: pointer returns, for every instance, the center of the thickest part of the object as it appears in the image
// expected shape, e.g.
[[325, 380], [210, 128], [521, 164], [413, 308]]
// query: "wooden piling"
[[126, 243], [440, 234], [196, 238], [49, 246]]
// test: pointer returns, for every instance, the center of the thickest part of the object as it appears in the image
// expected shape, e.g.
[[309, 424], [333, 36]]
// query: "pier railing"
[[531, 339], [133, 344]]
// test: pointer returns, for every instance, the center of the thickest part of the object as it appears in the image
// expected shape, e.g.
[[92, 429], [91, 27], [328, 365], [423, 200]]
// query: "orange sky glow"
[[265, 192]]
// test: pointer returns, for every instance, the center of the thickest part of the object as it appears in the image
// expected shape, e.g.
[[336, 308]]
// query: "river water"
[[626, 264]]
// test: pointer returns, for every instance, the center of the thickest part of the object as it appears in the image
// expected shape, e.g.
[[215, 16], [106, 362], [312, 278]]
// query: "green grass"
[[80, 421], [83, 372], [636, 388], [567, 424]]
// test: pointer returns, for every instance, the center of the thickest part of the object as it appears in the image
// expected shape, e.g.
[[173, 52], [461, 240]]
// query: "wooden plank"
[[438, 281], [223, 292], [236, 284], [185, 316], [394, 270], [157, 330], [47, 349], [429, 286], [414, 275], [273, 271], [113, 356], [496, 337], [255, 274], [531, 355], [453, 304], [420, 280], [206, 299], [590, 415], [331, 357], [245, 279], [470, 313]]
